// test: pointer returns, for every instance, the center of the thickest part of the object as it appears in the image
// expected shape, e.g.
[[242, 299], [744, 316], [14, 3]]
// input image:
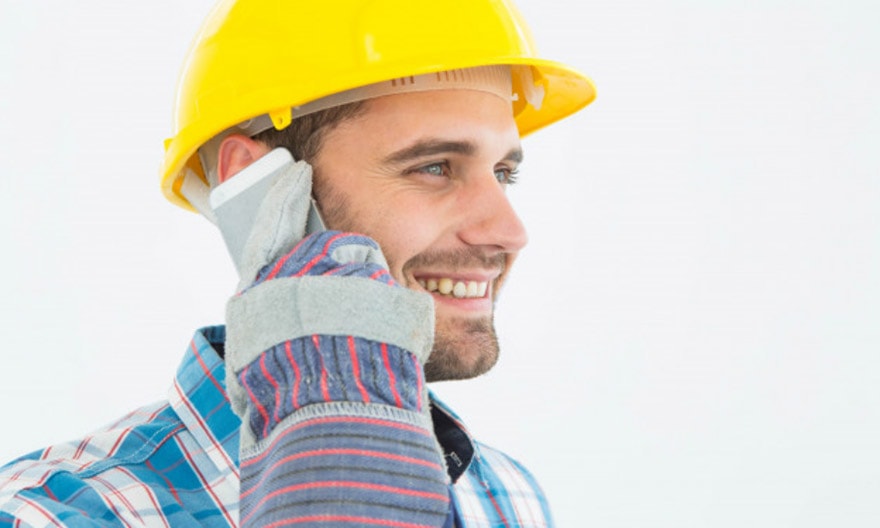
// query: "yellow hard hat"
[[257, 57]]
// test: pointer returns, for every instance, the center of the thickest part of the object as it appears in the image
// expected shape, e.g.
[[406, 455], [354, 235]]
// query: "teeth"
[[457, 289]]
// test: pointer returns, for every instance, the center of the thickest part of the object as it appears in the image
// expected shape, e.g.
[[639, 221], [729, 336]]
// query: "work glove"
[[324, 358]]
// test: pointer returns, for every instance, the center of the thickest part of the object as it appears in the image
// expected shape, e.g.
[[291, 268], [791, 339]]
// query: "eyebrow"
[[430, 147]]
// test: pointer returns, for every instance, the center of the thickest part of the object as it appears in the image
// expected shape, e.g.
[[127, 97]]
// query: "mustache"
[[459, 258]]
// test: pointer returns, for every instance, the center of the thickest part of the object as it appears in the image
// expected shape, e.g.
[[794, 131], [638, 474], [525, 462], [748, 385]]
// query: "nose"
[[490, 220]]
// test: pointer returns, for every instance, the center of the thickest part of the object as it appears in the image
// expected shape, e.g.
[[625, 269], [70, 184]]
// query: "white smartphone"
[[236, 201]]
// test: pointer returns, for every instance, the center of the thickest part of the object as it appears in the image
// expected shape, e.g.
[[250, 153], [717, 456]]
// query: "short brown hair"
[[304, 137]]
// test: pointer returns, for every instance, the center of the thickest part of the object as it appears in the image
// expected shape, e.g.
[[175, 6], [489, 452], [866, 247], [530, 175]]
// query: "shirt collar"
[[199, 398], [458, 445]]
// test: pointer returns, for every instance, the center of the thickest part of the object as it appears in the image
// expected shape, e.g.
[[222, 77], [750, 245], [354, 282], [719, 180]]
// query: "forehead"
[[481, 118]]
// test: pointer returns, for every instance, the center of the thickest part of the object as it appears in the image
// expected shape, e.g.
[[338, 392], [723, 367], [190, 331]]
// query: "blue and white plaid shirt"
[[175, 464]]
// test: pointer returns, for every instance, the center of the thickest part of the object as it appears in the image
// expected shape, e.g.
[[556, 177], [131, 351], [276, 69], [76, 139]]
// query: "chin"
[[463, 349]]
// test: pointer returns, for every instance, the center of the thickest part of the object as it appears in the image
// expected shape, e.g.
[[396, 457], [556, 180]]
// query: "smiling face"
[[424, 174]]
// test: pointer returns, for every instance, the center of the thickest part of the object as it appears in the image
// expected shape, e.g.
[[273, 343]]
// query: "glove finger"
[[322, 252], [357, 248], [363, 269]]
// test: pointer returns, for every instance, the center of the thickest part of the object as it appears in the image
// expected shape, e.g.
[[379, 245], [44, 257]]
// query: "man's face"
[[425, 174]]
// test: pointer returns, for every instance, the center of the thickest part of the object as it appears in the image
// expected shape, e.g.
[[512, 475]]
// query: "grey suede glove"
[[324, 355], [330, 283]]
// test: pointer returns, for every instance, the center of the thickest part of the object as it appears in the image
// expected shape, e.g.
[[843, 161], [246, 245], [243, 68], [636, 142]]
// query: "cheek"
[[404, 230], [403, 221], [402, 237]]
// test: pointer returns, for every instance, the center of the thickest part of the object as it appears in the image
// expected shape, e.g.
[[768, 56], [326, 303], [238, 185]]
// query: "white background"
[[690, 340]]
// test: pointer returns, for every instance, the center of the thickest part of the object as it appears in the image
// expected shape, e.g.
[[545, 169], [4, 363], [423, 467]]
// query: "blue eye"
[[506, 176], [434, 169]]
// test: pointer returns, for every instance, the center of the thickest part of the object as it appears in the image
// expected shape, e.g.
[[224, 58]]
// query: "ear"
[[237, 152]]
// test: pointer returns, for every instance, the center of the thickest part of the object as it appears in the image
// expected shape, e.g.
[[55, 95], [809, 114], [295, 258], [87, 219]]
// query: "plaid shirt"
[[175, 464]]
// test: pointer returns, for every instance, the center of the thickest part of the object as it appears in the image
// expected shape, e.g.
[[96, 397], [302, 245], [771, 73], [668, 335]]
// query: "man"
[[385, 134]]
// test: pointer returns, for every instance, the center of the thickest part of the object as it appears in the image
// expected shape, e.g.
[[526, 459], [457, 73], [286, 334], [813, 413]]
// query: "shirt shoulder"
[[144, 469]]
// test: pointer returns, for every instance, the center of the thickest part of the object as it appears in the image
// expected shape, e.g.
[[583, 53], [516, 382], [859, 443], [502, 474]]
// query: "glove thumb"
[[280, 221]]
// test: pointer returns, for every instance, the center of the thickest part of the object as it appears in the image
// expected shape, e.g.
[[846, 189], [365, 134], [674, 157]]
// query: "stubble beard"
[[463, 349]]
